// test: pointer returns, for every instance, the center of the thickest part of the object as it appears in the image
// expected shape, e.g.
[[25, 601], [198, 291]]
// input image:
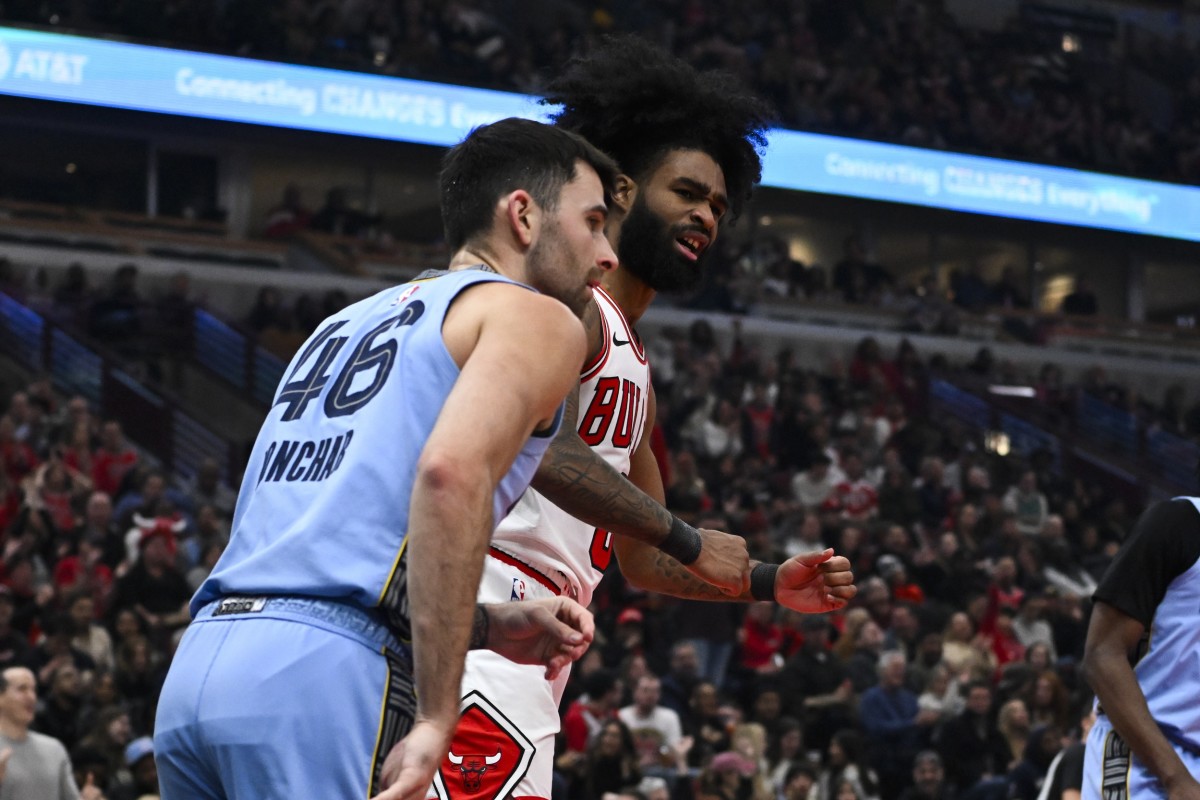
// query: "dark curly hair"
[[636, 102]]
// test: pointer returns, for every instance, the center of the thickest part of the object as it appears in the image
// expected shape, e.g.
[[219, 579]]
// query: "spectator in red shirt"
[[1005, 644], [893, 570], [1004, 590], [855, 497], [760, 638], [53, 491], [869, 370], [758, 418], [77, 450], [586, 716], [85, 572], [113, 459], [10, 501], [289, 217]]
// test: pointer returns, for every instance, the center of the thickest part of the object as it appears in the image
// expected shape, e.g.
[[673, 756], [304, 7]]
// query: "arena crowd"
[[974, 573], [954, 673]]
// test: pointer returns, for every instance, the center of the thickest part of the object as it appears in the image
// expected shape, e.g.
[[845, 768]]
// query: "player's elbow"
[[1087, 667], [1098, 659], [445, 477]]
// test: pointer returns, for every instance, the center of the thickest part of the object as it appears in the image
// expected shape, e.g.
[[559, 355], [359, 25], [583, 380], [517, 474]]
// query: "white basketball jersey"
[[613, 395]]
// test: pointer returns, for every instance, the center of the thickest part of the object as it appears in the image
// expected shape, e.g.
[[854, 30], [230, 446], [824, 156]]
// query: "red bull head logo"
[[472, 768], [488, 756]]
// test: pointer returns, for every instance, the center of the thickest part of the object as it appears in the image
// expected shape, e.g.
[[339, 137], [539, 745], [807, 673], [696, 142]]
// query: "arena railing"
[[1095, 438], [92, 230], [150, 416], [235, 357]]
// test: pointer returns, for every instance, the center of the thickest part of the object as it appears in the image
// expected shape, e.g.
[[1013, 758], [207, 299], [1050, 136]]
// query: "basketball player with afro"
[[688, 144]]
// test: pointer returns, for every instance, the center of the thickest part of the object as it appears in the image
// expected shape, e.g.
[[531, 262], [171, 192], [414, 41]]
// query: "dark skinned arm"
[[1111, 640], [580, 482], [644, 566], [812, 583], [587, 487]]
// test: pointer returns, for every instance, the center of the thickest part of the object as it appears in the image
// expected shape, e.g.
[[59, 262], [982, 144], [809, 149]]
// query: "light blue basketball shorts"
[[1112, 772], [281, 697]]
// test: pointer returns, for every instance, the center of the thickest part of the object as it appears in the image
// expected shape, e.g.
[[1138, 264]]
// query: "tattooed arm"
[[812, 583], [646, 567], [580, 482], [588, 488]]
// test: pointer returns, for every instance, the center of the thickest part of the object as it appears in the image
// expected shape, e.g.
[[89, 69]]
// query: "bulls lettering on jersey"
[[614, 393], [614, 389]]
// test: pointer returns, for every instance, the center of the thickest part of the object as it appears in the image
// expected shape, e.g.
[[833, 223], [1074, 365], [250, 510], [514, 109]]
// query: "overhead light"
[[997, 442], [1012, 391]]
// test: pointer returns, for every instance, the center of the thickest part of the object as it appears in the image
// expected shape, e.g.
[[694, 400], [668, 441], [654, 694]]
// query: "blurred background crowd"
[[974, 571], [953, 675]]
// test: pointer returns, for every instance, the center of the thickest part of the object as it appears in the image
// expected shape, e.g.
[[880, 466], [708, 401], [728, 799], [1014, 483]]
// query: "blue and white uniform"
[[295, 678], [1156, 580]]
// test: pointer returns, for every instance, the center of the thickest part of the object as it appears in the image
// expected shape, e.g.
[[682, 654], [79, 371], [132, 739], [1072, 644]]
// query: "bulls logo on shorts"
[[487, 757]]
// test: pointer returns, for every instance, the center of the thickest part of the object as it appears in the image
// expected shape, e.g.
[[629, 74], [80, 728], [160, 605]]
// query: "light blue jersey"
[[323, 508], [1154, 579], [1169, 671], [309, 599]]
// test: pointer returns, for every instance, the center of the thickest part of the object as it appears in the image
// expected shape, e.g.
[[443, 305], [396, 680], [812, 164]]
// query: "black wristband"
[[762, 581], [480, 627], [683, 542]]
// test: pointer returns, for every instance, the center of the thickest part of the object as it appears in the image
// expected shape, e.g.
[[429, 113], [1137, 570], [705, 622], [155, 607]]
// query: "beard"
[[647, 249], [547, 255]]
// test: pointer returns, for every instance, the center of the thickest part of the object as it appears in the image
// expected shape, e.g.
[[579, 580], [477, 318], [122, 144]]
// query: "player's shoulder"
[[491, 299], [1167, 533], [1179, 514], [539, 312], [514, 311]]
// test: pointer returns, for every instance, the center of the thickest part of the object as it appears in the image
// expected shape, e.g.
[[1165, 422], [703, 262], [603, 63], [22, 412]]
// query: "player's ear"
[[522, 216], [625, 191]]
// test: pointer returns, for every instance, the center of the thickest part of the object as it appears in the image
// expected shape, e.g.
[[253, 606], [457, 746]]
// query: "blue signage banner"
[[959, 182], [98, 72], [75, 69]]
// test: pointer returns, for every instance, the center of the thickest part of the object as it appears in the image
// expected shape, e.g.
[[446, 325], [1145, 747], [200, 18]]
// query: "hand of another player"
[[5, 755], [408, 769], [815, 582], [723, 562], [551, 632]]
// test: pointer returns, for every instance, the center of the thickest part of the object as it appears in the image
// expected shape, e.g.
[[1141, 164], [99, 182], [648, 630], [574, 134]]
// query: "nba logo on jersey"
[[405, 295], [518, 590]]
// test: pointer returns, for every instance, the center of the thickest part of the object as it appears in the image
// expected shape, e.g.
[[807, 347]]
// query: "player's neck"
[[632, 294], [475, 258]]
